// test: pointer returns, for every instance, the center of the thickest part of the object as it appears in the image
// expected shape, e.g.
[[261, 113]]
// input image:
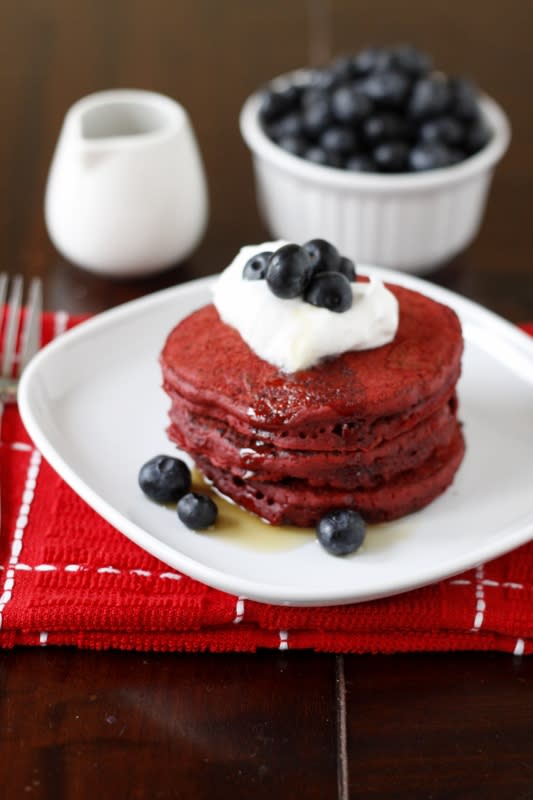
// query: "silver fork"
[[30, 336]]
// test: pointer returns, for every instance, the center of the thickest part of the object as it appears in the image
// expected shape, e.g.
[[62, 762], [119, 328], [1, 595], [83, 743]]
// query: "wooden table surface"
[[77, 724]]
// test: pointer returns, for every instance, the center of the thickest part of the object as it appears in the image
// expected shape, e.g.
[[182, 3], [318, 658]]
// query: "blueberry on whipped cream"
[[288, 272], [255, 268], [316, 271], [329, 290], [318, 310]]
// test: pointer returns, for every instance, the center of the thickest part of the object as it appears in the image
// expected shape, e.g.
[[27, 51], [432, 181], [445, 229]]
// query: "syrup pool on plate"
[[239, 527]]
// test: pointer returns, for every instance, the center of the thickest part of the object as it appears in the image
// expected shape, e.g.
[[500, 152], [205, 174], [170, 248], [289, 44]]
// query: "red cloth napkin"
[[68, 578]]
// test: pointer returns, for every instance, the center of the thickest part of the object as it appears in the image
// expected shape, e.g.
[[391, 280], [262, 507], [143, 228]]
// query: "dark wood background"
[[81, 724]]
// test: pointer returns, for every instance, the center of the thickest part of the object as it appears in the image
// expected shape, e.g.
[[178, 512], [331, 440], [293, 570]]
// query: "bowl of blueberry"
[[378, 153]]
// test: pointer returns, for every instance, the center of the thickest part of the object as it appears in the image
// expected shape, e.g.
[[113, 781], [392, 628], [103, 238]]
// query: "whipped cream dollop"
[[293, 334]]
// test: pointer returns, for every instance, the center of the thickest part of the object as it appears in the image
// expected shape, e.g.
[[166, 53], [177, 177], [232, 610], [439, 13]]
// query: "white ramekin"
[[411, 222]]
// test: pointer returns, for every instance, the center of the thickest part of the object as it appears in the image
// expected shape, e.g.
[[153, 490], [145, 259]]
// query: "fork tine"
[[3, 292], [10, 338], [31, 333]]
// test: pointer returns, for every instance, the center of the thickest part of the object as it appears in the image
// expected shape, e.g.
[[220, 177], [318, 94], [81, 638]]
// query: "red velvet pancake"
[[208, 362], [293, 502], [260, 461], [374, 429]]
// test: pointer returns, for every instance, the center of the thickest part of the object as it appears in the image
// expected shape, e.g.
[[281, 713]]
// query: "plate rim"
[[508, 538]]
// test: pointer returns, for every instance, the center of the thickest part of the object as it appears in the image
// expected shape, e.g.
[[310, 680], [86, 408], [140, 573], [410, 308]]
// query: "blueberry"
[[288, 271], [464, 98], [165, 479], [341, 532], [329, 290], [197, 511], [293, 144], [477, 136], [324, 79], [322, 255], [411, 60], [313, 95], [372, 59], [342, 69], [317, 117], [256, 267], [432, 155], [431, 97], [388, 89], [273, 105], [442, 129], [391, 156], [362, 163], [338, 139], [289, 125], [385, 126], [316, 155], [271, 130], [290, 96], [334, 159], [347, 268], [350, 105]]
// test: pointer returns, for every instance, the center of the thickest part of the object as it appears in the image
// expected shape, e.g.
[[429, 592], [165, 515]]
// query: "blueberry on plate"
[[341, 532], [431, 97], [391, 156], [361, 163], [329, 290], [442, 129], [288, 271], [322, 255], [350, 105], [256, 267], [432, 155], [197, 511], [165, 479]]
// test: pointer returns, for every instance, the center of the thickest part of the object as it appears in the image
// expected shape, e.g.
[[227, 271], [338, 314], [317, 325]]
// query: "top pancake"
[[207, 362]]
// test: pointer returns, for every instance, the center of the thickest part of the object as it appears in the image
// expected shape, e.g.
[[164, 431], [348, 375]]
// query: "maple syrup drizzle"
[[244, 529]]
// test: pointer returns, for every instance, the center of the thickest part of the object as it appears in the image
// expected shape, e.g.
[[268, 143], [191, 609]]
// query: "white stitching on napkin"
[[239, 610], [108, 570], [487, 582], [480, 600], [28, 495], [60, 323], [24, 447], [519, 647]]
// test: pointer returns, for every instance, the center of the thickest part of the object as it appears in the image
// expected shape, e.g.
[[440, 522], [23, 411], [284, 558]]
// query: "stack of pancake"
[[373, 430]]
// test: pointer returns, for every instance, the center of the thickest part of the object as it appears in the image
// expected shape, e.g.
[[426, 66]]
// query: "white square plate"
[[92, 403]]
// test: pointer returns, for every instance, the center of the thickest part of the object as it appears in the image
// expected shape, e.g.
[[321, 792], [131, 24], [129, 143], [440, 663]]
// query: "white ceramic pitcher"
[[126, 194]]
